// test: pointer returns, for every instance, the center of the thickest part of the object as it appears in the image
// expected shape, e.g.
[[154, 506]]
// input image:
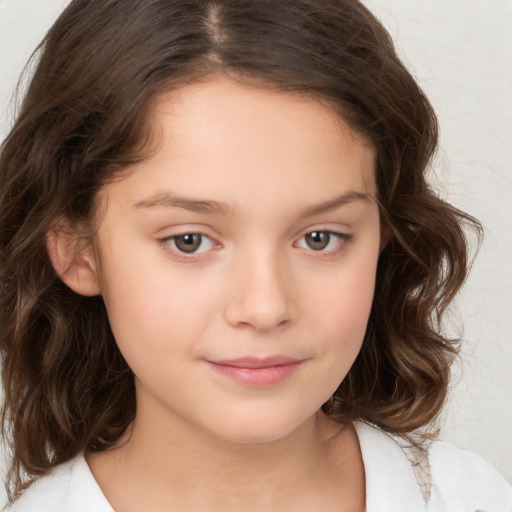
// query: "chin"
[[258, 429]]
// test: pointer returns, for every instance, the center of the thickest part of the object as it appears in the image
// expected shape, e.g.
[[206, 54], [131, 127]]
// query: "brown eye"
[[318, 240], [324, 241], [191, 243]]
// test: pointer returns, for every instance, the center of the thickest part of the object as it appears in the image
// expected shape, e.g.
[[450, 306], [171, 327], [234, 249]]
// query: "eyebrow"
[[333, 204], [215, 207], [194, 205]]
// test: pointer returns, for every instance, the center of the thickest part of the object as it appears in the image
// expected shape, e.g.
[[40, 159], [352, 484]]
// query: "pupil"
[[188, 243], [318, 240]]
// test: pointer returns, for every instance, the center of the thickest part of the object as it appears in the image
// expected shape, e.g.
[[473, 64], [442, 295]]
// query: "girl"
[[222, 270]]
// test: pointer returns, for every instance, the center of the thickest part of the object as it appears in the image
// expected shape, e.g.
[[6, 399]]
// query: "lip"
[[257, 372]]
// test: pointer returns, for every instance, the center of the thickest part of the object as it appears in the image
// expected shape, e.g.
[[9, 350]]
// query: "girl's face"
[[237, 263]]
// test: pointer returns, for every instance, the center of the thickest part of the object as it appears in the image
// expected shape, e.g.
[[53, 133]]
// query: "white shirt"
[[441, 478]]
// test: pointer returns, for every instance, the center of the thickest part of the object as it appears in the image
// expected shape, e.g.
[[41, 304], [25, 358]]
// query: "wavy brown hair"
[[83, 120]]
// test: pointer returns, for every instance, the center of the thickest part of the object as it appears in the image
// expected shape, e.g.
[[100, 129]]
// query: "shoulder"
[[464, 477], [68, 487], [435, 476]]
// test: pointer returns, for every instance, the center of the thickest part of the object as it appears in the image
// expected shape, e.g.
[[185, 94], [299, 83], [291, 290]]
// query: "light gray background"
[[461, 53]]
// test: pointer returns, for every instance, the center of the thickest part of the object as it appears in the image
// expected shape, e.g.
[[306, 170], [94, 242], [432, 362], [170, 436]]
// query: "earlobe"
[[74, 263]]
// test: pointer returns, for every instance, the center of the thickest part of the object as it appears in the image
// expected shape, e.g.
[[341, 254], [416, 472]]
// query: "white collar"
[[390, 481]]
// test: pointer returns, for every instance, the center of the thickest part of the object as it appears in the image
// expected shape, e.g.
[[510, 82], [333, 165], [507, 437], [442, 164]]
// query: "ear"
[[73, 259]]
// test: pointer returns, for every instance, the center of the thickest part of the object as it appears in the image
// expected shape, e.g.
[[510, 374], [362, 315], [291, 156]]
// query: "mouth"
[[257, 372]]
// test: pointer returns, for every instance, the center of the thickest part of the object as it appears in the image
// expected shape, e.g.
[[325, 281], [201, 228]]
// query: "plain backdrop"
[[460, 51]]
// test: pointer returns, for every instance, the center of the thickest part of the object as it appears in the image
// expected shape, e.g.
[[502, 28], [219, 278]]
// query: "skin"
[[255, 287]]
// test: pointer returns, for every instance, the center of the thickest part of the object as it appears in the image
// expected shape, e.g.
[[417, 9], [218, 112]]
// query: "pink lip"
[[259, 372]]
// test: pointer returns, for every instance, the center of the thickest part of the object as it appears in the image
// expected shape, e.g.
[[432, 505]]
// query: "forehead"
[[220, 106], [223, 138]]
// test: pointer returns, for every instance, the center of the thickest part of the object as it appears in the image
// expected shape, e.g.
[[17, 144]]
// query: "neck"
[[177, 461]]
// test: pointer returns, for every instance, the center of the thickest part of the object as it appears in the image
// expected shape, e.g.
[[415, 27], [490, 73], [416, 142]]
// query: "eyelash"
[[343, 240], [165, 242]]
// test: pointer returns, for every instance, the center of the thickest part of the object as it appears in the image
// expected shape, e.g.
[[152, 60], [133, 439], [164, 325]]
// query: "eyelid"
[[343, 240], [165, 243]]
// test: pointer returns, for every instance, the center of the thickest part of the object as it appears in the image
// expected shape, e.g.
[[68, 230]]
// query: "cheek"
[[341, 316], [346, 297], [153, 312]]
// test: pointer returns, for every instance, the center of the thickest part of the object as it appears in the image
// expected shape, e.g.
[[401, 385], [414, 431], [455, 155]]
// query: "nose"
[[261, 295]]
